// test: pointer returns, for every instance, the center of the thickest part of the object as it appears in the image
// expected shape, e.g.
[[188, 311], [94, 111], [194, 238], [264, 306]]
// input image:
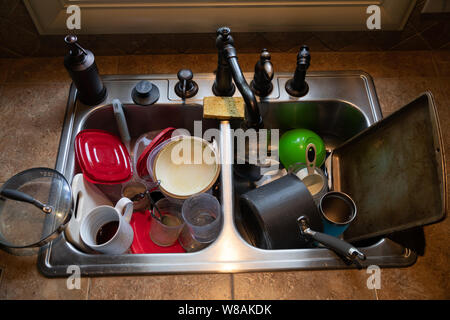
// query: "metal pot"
[[274, 213]]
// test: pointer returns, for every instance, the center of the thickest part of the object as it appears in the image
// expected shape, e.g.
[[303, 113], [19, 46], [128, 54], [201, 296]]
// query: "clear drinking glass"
[[203, 217], [165, 231]]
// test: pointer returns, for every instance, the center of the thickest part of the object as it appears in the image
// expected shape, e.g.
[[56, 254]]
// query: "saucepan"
[[283, 215]]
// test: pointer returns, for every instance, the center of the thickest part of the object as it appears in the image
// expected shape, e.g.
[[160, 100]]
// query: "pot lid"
[[102, 157], [24, 224]]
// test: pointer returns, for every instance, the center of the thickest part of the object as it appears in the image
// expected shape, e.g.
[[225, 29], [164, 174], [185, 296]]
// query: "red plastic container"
[[102, 157], [141, 224], [141, 165]]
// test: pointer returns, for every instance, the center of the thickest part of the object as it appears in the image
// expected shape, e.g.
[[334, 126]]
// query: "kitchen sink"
[[337, 106]]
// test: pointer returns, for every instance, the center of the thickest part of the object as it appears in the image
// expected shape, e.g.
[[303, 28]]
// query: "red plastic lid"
[[102, 157], [141, 165], [142, 243]]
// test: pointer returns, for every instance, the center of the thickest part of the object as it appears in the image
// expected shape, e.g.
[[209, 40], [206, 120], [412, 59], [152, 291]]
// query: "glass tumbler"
[[203, 217], [165, 231]]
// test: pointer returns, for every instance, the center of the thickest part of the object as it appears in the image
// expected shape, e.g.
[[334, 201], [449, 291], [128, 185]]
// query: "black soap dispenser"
[[80, 63]]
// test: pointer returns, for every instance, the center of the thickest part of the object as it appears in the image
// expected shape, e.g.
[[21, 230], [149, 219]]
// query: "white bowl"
[[186, 166]]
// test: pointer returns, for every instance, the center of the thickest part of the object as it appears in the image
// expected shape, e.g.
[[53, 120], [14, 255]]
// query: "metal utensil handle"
[[121, 123], [154, 203], [21, 196], [340, 246]]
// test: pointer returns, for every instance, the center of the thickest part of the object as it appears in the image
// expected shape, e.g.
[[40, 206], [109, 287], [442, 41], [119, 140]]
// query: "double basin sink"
[[337, 106]]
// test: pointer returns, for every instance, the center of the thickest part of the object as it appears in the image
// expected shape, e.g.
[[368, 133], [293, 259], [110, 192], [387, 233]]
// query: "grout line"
[[88, 291], [12, 52], [376, 294], [232, 286], [430, 48], [13, 9], [405, 40], [2, 275], [322, 42]]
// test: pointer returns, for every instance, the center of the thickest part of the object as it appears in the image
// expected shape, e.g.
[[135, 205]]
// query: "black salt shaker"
[[80, 63]]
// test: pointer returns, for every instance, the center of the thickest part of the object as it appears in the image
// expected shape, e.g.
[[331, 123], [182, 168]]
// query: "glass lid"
[[35, 205]]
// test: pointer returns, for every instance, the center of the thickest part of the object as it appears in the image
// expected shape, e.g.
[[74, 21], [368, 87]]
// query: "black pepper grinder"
[[80, 63]]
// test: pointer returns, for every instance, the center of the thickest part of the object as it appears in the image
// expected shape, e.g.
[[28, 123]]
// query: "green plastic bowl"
[[293, 147]]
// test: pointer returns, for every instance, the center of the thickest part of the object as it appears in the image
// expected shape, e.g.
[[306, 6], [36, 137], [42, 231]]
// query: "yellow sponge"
[[223, 108]]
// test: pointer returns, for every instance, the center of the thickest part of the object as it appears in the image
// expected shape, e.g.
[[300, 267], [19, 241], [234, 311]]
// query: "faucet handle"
[[303, 57], [297, 86], [186, 87], [223, 37], [262, 78], [224, 32]]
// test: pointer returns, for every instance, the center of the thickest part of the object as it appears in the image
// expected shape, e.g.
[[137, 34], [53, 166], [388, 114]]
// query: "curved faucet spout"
[[253, 116], [228, 63]]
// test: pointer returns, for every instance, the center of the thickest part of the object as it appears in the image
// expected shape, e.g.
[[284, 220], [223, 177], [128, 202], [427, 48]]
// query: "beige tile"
[[21, 279], [428, 277], [37, 70], [107, 64], [162, 287], [285, 41], [43, 70], [169, 63], [442, 62], [394, 93], [377, 64], [326, 284], [31, 119]]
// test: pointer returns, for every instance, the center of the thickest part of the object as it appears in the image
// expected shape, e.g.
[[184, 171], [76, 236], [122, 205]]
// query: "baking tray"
[[394, 171]]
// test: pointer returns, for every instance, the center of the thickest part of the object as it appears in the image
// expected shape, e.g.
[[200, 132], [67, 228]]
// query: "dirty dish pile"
[[177, 165]]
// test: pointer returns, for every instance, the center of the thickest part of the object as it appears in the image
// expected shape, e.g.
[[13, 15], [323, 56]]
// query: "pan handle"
[[336, 244], [22, 196]]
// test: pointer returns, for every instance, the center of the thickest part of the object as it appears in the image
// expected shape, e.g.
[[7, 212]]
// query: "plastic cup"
[[165, 232], [135, 191], [203, 217]]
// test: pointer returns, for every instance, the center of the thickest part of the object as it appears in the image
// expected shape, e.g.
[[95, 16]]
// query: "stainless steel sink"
[[338, 105]]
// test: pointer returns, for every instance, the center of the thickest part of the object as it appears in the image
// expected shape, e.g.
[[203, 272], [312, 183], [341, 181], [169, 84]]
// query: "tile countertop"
[[33, 96]]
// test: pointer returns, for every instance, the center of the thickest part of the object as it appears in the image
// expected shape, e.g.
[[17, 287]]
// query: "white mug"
[[99, 217], [87, 196]]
